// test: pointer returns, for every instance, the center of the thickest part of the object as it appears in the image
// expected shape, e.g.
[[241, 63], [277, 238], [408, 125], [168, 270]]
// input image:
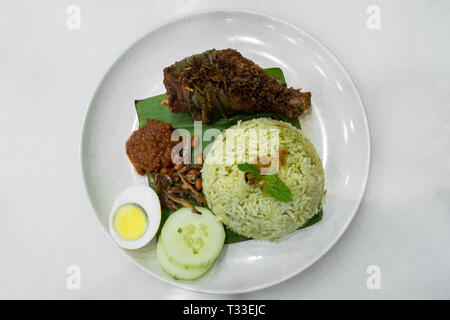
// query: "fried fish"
[[221, 83]]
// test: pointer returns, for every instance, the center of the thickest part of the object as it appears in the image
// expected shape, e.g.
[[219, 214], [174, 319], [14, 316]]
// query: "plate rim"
[[278, 19]]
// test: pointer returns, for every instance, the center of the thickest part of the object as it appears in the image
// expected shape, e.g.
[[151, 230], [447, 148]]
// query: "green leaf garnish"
[[250, 168], [277, 188], [272, 184]]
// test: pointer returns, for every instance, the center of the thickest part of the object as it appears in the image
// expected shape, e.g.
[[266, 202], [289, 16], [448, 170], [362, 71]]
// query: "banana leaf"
[[151, 108]]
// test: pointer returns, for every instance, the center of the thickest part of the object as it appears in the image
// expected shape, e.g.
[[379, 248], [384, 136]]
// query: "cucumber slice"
[[192, 239], [176, 270]]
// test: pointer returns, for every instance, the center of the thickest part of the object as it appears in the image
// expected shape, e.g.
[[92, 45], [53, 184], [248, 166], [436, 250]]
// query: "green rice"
[[244, 207]]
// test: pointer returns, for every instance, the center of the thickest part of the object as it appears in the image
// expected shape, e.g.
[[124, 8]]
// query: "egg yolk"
[[130, 221]]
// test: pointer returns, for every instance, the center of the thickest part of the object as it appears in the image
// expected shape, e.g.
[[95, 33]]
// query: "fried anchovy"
[[161, 186], [185, 194], [198, 197], [183, 202]]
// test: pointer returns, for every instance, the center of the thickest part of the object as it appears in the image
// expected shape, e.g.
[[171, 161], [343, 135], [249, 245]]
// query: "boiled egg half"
[[135, 217]]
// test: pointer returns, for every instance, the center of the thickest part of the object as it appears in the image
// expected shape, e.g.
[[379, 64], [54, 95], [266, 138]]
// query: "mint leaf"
[[272, 184], [250, 168], [277, 188]]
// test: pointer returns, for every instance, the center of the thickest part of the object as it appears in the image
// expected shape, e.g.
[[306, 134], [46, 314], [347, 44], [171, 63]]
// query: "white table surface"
[[48, 75]]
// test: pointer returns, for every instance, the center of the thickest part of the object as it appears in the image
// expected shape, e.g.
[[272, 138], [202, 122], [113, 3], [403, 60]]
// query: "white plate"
[[337, 126]]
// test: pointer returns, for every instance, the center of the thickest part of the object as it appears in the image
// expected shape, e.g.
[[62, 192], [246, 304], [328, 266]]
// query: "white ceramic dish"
[[337, 126]]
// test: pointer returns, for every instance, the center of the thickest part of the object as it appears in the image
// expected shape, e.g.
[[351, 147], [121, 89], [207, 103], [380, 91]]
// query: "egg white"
[[147, 199]]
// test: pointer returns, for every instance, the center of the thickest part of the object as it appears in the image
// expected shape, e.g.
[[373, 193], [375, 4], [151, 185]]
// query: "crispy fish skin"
[[220, 83]]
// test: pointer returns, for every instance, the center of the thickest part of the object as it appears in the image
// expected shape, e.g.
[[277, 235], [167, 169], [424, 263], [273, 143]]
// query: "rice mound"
[[245, 208]]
